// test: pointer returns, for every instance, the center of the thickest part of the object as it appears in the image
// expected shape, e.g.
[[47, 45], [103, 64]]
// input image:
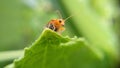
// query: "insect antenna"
[[59, 14], [68, 17]]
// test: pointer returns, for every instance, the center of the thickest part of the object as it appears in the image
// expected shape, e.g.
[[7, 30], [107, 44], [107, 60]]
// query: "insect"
[[57, 25]]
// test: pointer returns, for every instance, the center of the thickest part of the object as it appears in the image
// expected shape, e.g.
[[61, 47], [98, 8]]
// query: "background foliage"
[[22, 21]]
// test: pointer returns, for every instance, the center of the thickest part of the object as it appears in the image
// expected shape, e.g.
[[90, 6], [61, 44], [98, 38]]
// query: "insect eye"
[[60, 21]]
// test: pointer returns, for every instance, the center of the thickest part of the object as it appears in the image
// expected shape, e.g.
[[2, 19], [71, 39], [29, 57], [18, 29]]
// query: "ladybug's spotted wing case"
[[50, 26]]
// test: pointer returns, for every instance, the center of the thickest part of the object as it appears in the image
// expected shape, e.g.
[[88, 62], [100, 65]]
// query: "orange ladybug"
[[57, 25]]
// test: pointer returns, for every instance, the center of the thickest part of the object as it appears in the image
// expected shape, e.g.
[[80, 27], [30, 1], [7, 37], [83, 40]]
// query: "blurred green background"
[[22, 21]]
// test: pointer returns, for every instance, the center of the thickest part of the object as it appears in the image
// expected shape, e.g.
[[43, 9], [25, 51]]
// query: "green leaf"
[[51, 50]]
